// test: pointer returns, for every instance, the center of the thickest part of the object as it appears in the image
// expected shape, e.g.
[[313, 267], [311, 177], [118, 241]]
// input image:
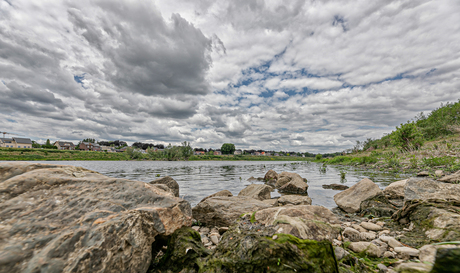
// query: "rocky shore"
[[56, 218]]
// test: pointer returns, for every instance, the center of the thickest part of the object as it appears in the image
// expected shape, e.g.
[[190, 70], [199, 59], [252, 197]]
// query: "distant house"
[[238, 152], [268, 154], [88, 146], [198, 153], [107, 149], [277, 154], [6, 143], [217, 153], [16, 142], [64, 145]]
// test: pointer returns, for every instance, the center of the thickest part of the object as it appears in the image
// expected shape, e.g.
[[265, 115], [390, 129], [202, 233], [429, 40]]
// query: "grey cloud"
[[351, 135], [143, 53]]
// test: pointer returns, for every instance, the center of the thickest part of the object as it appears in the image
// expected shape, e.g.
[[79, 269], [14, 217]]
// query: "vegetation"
[[426, 143], [227, 149]]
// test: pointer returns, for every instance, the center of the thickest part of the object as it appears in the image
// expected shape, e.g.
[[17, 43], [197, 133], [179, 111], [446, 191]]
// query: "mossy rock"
[[247, 251], [378, 206], [447, 260], [183, 253]]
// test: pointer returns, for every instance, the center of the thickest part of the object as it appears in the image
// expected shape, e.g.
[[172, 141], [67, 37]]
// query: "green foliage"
[[227, 149], [133, 153], [438, 161], [407, 137], [318, 157], [442, 121], [92, 140]]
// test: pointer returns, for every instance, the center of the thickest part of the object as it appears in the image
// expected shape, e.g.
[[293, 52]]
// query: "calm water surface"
[[198, 179]]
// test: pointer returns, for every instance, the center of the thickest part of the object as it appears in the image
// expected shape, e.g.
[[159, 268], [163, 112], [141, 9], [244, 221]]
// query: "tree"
[[407, 137], [227, 148], [92, 140]]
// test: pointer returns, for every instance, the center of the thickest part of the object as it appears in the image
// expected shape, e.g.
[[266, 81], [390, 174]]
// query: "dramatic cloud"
[[300, 75]]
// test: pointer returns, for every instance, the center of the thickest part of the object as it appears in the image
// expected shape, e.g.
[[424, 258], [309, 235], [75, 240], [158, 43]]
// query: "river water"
[[198, 179]]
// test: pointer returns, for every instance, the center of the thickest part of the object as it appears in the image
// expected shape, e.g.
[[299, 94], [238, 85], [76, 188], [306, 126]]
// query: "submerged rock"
[[350, 200], [286, 177], [57, 218], [338, 187]]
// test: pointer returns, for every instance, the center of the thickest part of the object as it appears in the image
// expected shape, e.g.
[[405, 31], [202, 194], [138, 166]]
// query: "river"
[[198, 179]]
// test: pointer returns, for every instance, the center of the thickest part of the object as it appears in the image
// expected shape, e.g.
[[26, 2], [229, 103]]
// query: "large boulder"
[[293, 200], [305, 221], [378, 206], [286, 177], [350, 199], [169, 182], [57, 218], [271, 176], [225, 193], [432, 208], [223, 211], [452, 178], [256, 191], [395, 190], [430, 190]]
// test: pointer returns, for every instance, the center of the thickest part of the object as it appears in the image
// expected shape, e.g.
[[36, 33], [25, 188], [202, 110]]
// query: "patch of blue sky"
[[11, 120], [79, 79]]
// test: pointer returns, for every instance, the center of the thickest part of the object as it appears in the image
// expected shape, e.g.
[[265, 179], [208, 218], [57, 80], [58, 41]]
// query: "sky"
[[310, 76]]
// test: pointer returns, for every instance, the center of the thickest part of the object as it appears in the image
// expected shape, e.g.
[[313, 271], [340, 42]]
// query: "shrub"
[[407, 137], [318, 157]]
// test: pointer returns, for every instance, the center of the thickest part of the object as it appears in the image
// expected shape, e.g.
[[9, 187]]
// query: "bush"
[[407, 137], [318, 157]]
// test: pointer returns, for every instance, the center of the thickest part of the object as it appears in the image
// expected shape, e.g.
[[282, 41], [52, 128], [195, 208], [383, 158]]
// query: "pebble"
[[204, 230], [222, 230], [214, 239], [371, 226], [407, 250], [335, 242], [352, 234], [359, 228], [380, 223], [340, 253], [276, 237], [382, 268], [196, 228], [389, 254], [367, 236], [439, 173], [384, 232]]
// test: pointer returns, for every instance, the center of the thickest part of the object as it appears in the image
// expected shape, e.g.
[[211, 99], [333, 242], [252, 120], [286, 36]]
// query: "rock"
[[305, 222], [196, 228], [453, 178], [169, 182], [428, 252], [247, 250], [368, 236], [350, 200], [69, 219], [339, 187], [223, 211], [423, 173], [204, 230], [440, 173], [392, 242], [336, 242], [224, 193], [214, 239], [407, 250], [256, 191], [371, 226], [433, 207], [252, 178], [382, 268], [340, 253], [428, 189], [413, 268], [371, 249], [378, 206], [286, 177], [271, 176], [359, 228], [384, 232], [395, 190], [352, 234], [296, 185], [447, 260], [222, 230], [273, 202], [389, 254], [293, 200], [184, 251]]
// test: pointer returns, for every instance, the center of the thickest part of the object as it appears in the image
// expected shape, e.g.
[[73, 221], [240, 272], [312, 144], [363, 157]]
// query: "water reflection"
[[198, 179]]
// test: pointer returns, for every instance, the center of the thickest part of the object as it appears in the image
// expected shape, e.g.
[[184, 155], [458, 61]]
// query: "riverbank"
[[441, 154], [12, 154]]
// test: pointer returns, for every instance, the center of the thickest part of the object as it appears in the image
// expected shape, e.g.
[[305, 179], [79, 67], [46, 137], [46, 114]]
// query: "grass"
[[16, 154]]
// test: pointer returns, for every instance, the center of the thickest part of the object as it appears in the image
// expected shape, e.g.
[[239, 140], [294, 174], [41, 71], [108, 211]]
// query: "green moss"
[[253, 217]]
